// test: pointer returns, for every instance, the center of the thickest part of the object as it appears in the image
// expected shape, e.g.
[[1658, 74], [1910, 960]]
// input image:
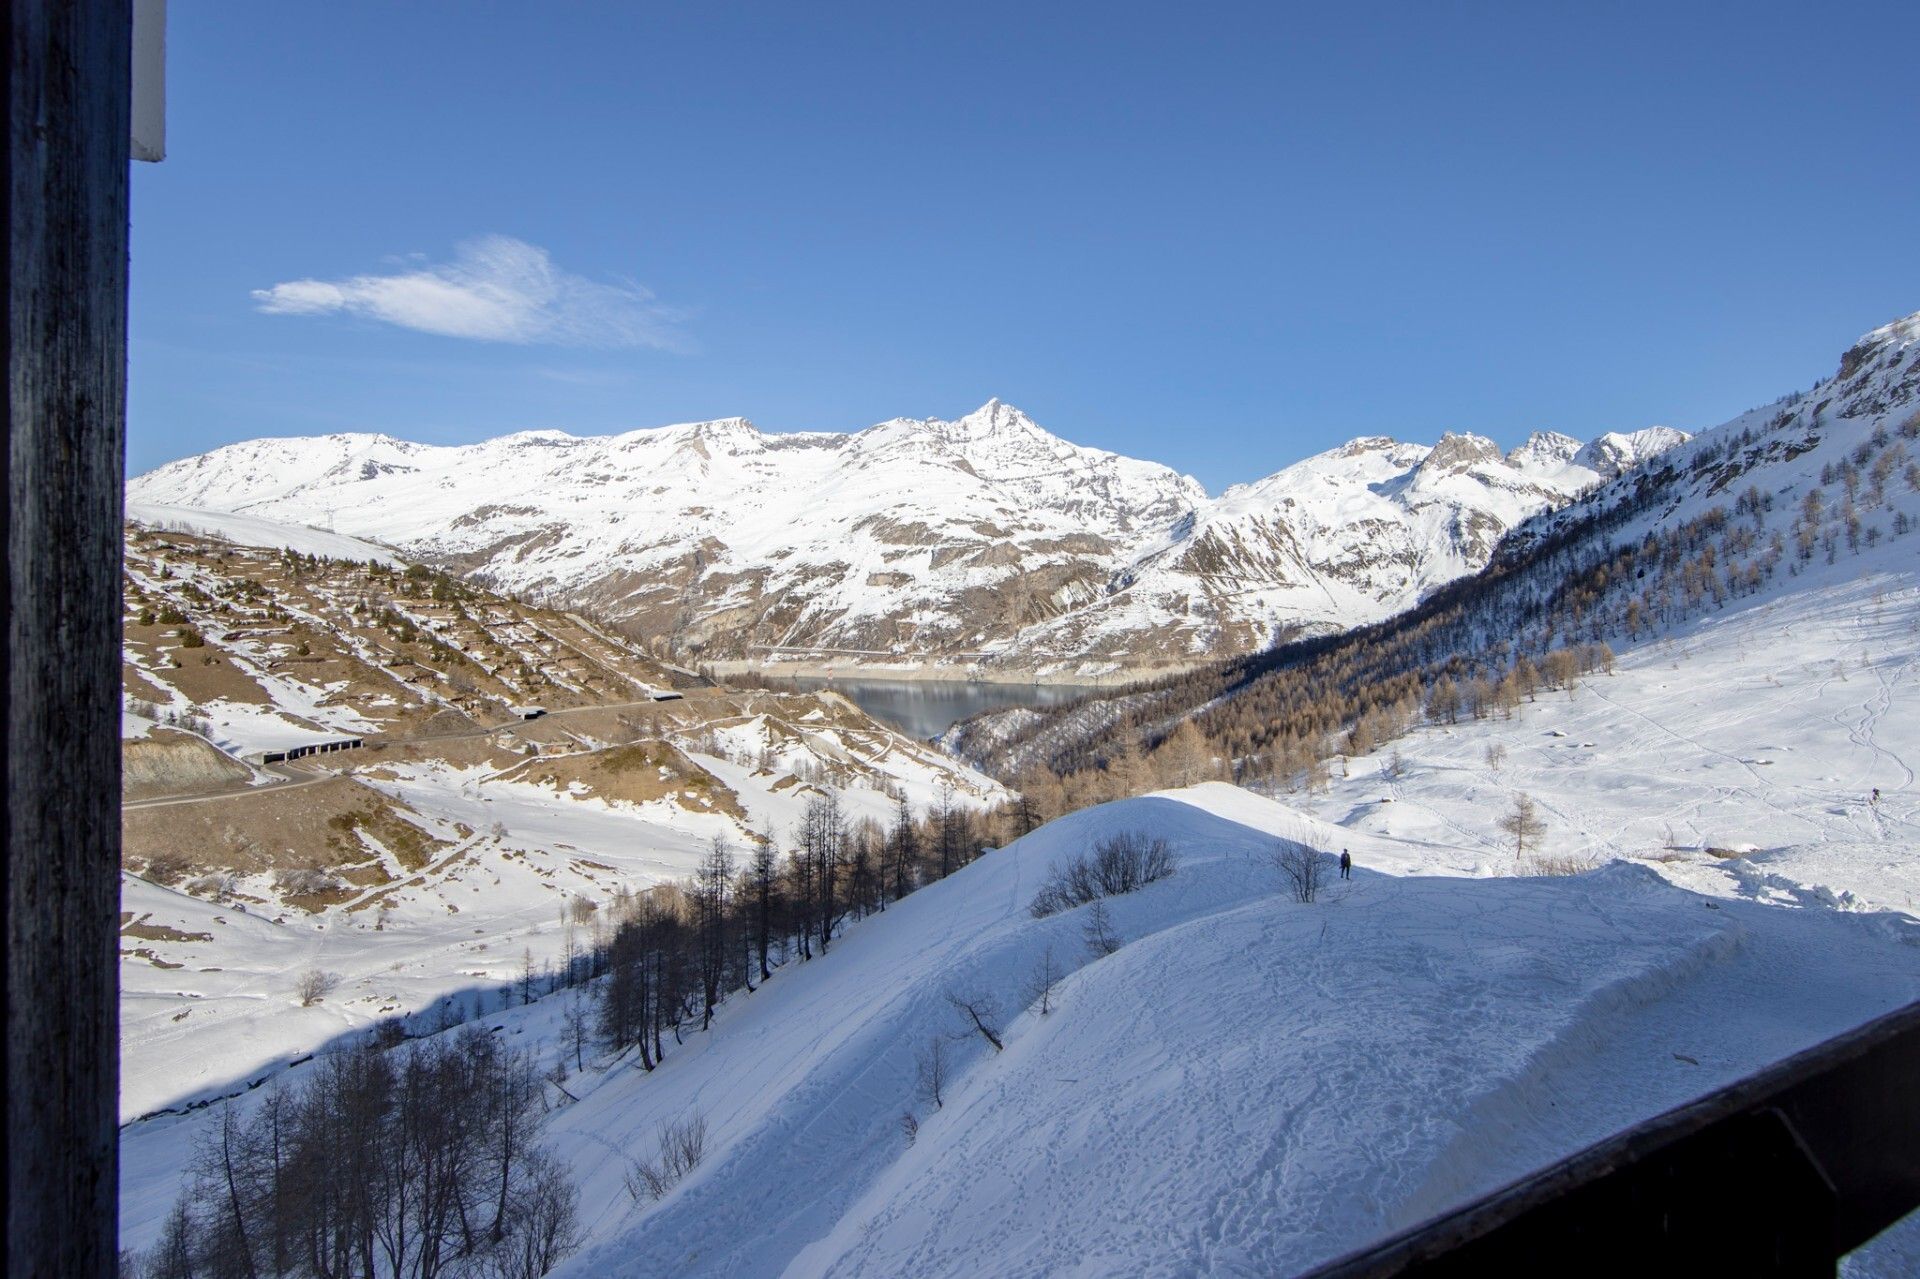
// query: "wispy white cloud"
[[496, 289]]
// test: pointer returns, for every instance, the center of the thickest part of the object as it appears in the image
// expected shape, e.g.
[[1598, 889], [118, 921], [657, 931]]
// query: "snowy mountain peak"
[[1894, 338], [733, 435], [996, 413], [1458, 452], [994, 420], [1610, 454], [542, 437], [1364, 444], [1544, 449], [726, 428]]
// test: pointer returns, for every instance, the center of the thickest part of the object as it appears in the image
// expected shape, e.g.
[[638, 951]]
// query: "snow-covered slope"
[[982, 543], [244, 530], [1849, 441], [1739, 756], [1249, 1085]]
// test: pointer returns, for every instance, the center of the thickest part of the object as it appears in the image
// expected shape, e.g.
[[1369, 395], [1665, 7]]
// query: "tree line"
[[403, 1160], [676, 950]]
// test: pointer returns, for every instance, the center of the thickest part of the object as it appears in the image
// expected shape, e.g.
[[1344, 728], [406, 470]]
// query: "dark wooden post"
[[67, 141]]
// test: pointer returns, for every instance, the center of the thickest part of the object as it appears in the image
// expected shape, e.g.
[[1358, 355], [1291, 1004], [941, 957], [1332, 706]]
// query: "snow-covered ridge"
[[1346, 537], [244, 530], [985, 542], [1613, 453], [1784, 450]]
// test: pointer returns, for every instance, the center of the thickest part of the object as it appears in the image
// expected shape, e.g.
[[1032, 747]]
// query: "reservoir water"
[[923, 708]]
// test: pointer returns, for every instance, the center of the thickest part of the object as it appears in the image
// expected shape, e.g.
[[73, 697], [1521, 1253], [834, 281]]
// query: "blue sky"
[[1223, 237]]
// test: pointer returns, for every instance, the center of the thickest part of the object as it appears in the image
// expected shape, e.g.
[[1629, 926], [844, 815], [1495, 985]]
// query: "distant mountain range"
[[983, 546], [1815, 490]]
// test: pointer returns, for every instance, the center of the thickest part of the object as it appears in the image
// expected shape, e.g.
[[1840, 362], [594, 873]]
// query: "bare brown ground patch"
[[312, 827], [315, 902], [144, 931], [383, 897], [410, 845], [146, 953], [639, 773], [459, 752], [207, 674], [137, 685], [372, 875]]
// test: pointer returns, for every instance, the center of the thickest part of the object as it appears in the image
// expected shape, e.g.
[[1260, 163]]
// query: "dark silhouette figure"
[[1346, 864], [1876, 797]]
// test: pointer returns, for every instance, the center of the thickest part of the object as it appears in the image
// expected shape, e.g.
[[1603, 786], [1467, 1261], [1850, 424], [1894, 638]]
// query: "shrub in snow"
[[1040, 984], [1098, 930], [299, 882], [217, 886], [682, 1146], [186, 721], [167, 869], [1553, 865], [1304, 869], [1118, 864], [981, 1012], [314, 985], [933, 1072]]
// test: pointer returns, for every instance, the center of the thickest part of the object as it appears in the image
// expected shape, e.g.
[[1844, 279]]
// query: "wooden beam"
[[1779, 1174], [67, 91]]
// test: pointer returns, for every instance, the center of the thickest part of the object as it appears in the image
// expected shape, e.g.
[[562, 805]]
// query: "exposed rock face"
[[980, 542], [1545, 448], [1876, 373], [170, 762], [1457, 454]]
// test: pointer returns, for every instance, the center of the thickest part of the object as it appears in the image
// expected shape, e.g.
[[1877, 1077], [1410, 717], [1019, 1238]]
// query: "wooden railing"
[[1782, 1173]]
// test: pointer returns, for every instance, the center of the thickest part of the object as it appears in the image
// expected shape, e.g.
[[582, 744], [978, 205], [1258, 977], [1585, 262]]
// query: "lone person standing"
[[1346, 864]]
